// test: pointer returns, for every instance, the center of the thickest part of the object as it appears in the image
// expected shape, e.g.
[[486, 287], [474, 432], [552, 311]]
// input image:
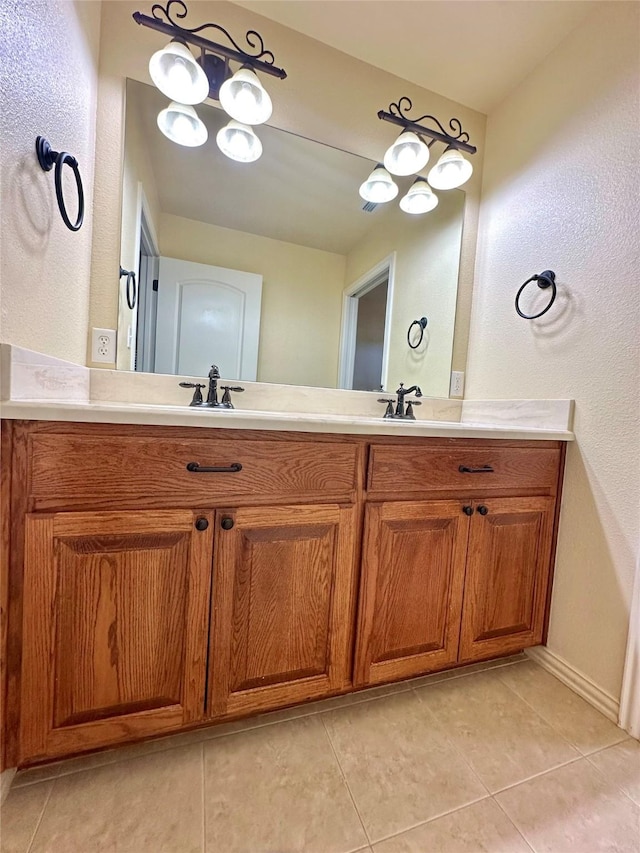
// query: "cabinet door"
[[411, 589], [507, 576], [282, 606], [114, 626]]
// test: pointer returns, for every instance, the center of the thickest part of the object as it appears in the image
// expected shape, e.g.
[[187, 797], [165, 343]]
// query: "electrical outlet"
[[103, 346], [456, 388]]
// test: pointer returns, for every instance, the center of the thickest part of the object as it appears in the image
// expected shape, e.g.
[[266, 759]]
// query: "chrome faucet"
[[212, 401], [400, 412]]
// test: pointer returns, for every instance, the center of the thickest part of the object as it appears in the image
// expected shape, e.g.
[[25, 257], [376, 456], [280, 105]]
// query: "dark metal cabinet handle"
[[201, 524], [197, 468], [465, 469], [467, 510], [483, 510], [227, 523]]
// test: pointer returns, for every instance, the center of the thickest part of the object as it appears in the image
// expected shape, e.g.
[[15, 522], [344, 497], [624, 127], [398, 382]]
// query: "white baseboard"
[[6, 778], [577, 681]]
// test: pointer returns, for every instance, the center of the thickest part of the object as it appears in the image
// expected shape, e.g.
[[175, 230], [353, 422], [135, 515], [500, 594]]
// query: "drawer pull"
[[483, 510], [465, 469], [467, 510], [197, 468]]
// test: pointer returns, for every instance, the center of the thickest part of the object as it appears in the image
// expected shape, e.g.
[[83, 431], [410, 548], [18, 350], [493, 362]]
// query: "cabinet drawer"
[[477, 468], [104, 471]]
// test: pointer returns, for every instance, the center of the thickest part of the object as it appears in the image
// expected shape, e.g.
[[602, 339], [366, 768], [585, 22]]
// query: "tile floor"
[[490, 758]]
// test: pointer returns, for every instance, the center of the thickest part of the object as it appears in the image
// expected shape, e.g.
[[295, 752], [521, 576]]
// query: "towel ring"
[[422, 323], [544, 280], [48, 159], [131, 288]]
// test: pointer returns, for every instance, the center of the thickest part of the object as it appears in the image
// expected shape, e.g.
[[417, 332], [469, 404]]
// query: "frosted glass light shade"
[[180, 124], [379, 187], [408, 154], [178, 76], [239, 142], [244, 98], [420, 198], [451, 171]]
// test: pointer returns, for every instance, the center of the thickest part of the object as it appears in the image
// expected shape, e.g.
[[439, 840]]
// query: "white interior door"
[[207, 315]]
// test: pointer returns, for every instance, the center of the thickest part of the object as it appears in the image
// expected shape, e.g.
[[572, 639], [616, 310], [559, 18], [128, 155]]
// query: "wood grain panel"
[[417, 469], [411, 589], [5, 557], [78, 470], [115, 626], [507, 574], [282, 597]]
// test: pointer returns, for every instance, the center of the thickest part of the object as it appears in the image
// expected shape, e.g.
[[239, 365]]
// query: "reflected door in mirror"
[[207, 315]]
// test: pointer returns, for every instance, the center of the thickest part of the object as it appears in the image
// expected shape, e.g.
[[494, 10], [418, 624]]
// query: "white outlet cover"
[[103, 346], [456, 387]]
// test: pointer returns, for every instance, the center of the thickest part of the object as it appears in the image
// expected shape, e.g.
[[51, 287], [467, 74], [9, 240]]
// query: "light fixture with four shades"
[[409, 155]]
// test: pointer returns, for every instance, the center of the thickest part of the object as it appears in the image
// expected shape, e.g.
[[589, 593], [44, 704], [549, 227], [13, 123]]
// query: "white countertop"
[[41, 387], [131, 413]]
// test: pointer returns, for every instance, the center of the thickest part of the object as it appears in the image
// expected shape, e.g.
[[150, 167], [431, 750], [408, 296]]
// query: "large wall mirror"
[[274, 270]]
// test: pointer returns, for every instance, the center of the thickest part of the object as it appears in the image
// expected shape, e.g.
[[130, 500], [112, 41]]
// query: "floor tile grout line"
[[454, 745], [538, 775], [432, 819], [513, 823], [549, 723], [39, 821], [346, 783], [403, 687], [611, 781]]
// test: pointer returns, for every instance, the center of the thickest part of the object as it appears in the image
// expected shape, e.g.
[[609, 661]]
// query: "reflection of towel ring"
[[422, 323], [131, 289], [48, 159], [545, 279]]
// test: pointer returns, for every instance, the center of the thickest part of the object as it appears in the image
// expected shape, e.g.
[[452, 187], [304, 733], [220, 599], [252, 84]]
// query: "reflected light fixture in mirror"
[[239, 142], [188, 81], [409, 154], [420, 198], [180, 124], [379, 186]]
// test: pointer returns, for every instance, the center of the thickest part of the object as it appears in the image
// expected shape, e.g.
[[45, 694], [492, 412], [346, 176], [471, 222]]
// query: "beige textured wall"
[[427, 261], [327, 96], [301, 295], [561, 192], [48, 86]]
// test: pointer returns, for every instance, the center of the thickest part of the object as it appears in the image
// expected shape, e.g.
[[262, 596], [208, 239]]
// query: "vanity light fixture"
[[420, 198], [379, 186], [239, 142], [409, 154], [188, 80], [180, 124]]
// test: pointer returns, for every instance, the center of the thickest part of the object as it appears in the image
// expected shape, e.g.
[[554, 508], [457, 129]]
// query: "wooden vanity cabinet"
[[147, 597], [463, 574], [115, 619], [282, 606]]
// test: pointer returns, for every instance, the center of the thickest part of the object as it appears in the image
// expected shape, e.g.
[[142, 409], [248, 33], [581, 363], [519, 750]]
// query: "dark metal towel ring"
[[131, 289], [422, 324], [48, 159], [545, 279]]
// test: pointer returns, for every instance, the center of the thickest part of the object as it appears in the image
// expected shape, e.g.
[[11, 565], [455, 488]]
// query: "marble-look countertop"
[[39, 387]]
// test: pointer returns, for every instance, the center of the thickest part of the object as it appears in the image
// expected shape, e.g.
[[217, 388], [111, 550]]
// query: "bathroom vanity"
[[149, 594]]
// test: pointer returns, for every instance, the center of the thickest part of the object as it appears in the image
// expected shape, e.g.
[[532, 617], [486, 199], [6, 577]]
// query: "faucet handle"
[[197, 394], [409, 413], [226, 397], [389, 410]]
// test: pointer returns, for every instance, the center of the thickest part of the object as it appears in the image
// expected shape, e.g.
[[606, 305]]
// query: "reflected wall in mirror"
[[273, 270]]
